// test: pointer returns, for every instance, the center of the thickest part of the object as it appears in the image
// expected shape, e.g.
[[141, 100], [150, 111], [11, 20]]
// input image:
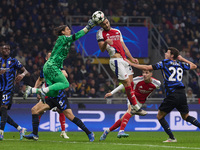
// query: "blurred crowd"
[[27, 26]]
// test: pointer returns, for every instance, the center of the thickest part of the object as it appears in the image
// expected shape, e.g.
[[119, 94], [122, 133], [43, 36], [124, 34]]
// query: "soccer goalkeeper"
[[52, 73]]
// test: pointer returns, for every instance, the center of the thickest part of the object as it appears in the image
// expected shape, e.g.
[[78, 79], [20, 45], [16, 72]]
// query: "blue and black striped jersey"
[[172, 72], [11, 65]]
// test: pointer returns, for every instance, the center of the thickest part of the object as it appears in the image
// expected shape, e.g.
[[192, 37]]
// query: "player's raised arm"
[[84, 31], [192, 65]]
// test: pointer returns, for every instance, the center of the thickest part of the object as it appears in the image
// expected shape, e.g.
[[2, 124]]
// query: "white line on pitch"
[[143, 145]]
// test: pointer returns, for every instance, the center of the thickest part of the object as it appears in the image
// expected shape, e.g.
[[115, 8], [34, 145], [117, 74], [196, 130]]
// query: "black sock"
[[193, 121], [165, 125], [11, 122], [80, 124], [35, 124], [3, 117]]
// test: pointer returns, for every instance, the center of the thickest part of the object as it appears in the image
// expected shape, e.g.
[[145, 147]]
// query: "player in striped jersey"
[[143, 85], [110, 39], [8, 69], [172, 68]]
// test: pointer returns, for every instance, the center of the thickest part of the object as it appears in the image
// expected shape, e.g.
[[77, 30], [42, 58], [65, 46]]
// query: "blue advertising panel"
[[100, 116], [135, 38]]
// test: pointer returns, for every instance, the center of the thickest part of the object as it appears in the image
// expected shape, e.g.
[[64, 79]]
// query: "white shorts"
[[121, 68]]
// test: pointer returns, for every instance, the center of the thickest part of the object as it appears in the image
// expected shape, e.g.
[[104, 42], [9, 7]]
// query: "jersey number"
[[5, 97], [179, 73]]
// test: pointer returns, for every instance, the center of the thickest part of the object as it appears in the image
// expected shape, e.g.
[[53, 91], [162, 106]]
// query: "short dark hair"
[[59, 29], [174, 52]]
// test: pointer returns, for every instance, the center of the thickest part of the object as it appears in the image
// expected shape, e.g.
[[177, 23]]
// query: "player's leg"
[[123, 70], [166, 107], [57, 79], [191, 119], [62, 123], [184, 110], [125, 119], [39, 108], [5, 104], [3, 120], [68, 113], [113, 127], [21, 130], [161, 118]]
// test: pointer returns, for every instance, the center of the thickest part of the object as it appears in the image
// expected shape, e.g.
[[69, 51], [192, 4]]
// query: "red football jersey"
[[116, 36], [142, 89]]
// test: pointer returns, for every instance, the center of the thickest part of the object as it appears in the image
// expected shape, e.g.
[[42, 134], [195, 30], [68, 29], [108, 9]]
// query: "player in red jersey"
[[144, 85], [110, 39]]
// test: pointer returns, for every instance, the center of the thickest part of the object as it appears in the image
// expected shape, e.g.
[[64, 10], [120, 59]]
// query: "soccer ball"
[[98, 17]]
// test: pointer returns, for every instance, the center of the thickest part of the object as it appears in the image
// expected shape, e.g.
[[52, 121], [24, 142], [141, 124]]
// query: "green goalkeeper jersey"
[[59, 53], [62, 47]]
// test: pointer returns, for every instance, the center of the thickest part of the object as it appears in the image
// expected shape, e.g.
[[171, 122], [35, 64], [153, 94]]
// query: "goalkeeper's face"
[[67, 31]]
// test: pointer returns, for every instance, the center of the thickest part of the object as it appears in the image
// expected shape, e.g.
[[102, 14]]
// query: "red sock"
[[115, 125], [131, 95], [62, 121], [132, 84], [125, 120], [39, 117]]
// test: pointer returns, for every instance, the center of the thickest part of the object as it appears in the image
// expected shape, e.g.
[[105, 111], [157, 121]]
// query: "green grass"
[[79, 141]]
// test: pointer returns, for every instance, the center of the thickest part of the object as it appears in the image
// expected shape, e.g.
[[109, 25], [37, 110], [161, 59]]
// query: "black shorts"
[[6, 98], [61, 103], [177, 100]]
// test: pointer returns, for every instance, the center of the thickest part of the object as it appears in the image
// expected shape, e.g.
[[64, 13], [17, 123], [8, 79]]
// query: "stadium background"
[[27, 26]]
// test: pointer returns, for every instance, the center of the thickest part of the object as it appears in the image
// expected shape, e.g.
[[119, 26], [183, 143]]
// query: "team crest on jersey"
[[9, 62], [4, 65], [107, 34]]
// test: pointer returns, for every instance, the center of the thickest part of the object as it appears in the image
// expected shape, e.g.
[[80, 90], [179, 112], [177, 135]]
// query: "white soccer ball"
[[98, 17]]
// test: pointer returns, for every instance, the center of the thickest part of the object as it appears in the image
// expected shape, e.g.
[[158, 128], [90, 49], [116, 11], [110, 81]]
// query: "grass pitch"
[[79, 141]]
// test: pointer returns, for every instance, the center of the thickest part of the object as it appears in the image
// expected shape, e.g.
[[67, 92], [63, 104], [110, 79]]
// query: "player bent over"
[[62, 103], [172, 70], [143, 85]]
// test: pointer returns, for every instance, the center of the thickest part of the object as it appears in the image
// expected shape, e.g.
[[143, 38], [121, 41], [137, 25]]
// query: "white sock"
[[34, 90], [46, 89], [121, 130], [19, 128]]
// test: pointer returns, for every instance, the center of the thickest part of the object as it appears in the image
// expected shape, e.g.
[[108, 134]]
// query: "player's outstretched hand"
[[107, 95], [90, 24], [134, 60]]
